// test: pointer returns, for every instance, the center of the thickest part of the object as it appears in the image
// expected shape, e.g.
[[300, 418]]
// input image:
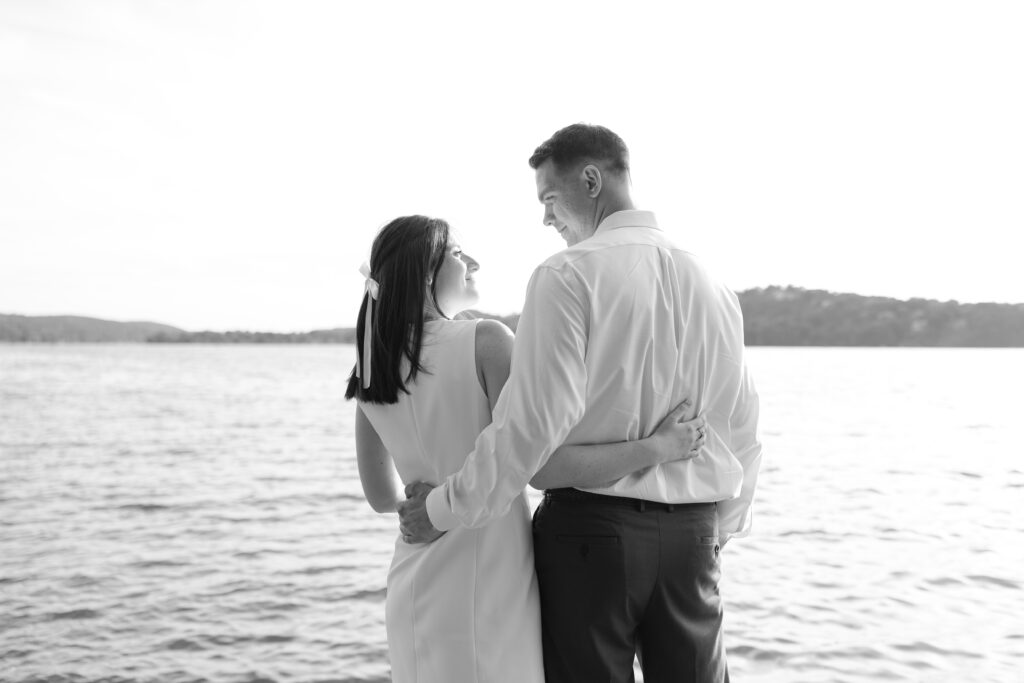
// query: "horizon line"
[[502, 315]]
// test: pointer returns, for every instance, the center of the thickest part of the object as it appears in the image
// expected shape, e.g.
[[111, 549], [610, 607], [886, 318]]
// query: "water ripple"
[[74, 614], [995, 581], [934, 649]]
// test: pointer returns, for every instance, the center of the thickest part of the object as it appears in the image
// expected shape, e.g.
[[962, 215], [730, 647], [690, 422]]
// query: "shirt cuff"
[[439, 511]]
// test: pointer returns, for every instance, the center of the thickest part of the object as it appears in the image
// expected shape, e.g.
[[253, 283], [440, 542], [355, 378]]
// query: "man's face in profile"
[[566, 204]]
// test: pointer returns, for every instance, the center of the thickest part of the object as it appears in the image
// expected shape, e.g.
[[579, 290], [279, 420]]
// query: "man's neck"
[[602, 211]]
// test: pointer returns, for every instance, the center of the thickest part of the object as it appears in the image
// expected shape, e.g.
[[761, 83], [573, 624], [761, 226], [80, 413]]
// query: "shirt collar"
[[630, 218]]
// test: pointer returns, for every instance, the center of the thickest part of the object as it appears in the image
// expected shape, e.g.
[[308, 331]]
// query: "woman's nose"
[[471, 263]]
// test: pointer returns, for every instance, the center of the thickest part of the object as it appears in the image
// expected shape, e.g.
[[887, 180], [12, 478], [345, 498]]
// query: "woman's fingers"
[[679, 438], [697, 425], [698, 443], [679, 412], [699, 434]]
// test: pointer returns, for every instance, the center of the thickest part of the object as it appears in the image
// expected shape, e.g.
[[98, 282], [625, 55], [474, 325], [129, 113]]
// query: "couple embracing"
[[624, 396]]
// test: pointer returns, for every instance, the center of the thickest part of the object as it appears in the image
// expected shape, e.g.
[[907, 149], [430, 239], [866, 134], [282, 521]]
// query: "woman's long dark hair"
[[405, 251]]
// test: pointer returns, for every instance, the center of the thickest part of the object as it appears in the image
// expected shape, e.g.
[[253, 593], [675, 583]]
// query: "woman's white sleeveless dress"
[[465, 608]]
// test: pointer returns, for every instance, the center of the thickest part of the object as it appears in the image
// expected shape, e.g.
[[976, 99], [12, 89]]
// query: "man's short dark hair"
[[582, 141]]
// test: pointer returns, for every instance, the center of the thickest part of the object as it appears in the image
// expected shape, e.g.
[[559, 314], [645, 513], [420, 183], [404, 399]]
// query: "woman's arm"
[[493, 357], [591, 465], [587, 465], [376, 469]]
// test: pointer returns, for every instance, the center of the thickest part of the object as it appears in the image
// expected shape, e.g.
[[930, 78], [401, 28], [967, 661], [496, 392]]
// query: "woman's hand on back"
[[677, 438]]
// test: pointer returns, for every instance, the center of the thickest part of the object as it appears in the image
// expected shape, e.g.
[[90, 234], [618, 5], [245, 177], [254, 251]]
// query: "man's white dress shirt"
[[615, 332]]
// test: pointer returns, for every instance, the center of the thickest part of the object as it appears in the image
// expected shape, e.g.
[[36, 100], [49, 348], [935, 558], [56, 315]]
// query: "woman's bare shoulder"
[[493, 337]]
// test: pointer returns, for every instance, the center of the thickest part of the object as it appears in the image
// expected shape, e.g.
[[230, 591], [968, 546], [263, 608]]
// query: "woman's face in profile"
[[455, 287]]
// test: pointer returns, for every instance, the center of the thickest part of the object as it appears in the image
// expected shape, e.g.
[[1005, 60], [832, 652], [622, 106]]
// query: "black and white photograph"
[[542, 342]]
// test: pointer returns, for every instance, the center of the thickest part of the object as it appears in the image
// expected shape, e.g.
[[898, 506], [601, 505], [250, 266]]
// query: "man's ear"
[[592, 180]]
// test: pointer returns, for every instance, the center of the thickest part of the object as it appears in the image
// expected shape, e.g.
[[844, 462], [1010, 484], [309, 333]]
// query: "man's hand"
[[413, 521]]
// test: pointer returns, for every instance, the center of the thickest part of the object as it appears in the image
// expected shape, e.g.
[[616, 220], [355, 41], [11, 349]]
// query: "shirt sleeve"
[[543, 399], [736, 515]]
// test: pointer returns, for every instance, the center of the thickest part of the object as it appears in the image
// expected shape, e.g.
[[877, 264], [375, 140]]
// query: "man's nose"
[[549, 218]]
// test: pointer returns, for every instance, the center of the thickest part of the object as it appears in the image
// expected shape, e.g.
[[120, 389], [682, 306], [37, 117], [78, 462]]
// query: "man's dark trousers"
[[619, 576]]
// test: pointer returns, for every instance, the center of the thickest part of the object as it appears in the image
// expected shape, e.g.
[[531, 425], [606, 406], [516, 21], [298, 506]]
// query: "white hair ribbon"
[[373, 291]]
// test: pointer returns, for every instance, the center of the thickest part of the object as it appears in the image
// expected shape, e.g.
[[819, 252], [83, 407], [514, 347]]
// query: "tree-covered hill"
[[332, 336], [73, 328], [790, 316]]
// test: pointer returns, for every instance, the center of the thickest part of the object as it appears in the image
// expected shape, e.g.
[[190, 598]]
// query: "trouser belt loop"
[[642, 505]]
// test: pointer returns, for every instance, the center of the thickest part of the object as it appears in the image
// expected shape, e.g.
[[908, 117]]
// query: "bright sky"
[[226, 165]]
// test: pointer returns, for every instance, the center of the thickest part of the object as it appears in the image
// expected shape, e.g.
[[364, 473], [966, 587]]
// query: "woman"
[[464, 608]]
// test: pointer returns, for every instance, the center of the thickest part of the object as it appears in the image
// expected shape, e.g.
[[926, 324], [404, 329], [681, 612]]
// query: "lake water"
[[189, 513]]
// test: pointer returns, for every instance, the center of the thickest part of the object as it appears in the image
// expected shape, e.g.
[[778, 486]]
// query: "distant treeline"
[[773, 316], [791, 316], [782, 316], [74, 328], [339, 335], [335, 336]]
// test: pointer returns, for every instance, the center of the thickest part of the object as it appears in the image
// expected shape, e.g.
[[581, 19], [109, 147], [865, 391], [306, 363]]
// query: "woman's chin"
[[456, 308]]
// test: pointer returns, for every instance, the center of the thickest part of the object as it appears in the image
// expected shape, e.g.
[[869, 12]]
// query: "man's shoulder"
[[560, 260], [593, 248], [611, 246]]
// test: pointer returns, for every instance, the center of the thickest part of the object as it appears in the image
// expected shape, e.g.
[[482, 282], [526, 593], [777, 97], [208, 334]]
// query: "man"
[[615, 331]]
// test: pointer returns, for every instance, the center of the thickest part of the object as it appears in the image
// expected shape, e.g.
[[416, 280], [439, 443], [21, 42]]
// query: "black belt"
[[577, 496]]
